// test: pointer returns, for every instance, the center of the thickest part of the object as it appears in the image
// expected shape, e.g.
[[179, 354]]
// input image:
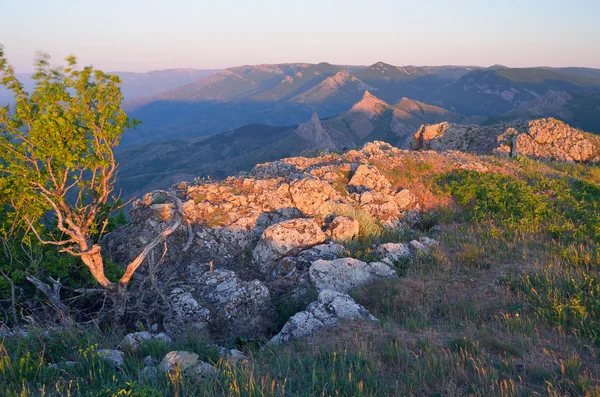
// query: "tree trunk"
[[93, 260]]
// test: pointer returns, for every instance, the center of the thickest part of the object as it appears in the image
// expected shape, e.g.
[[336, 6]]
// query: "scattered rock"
[[149, 361], [285, 239], [149, 372], [343, 228], [346, 273], [201, 370], [366, 178], [116, 358], [232, 355], [425, 245], [134, 340], [393, 252], [175, 358], [329, 309]]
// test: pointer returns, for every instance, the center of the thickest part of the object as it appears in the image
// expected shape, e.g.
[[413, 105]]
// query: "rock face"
[[544, 138], [329, 309], [222, 302], [346, 273], [285, 239]]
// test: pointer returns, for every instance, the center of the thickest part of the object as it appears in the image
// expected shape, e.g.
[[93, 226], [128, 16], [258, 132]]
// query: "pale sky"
[[142, 35]]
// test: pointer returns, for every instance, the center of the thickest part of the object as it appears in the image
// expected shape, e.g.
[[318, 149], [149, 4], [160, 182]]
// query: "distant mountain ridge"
[[134, 85], [161, 163], [288, 94]]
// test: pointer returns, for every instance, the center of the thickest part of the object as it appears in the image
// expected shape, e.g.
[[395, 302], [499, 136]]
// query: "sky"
[[136, 35]]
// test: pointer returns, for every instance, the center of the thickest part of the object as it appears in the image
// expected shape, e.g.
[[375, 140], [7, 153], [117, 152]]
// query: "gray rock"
[[134, 340], [343, 228], [181, 359], [150, 361], [116, 358], [286, 239], [329, 309], [149, 372], [393, 252], [201, 370], [236, 307], [346, 273]]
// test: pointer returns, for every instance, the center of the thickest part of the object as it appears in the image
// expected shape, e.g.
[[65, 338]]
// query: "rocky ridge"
[[278, 236], [543, 138], [275, 235]]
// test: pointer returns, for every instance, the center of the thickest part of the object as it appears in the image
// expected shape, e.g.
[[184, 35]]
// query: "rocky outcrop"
[[329, 309], [220, 302], [285, 239], [544, 138], [343, 228], [272, 238], [346, 273]]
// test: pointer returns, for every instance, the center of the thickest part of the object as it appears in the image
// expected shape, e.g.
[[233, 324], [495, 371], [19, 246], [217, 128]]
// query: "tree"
[[57, 155]]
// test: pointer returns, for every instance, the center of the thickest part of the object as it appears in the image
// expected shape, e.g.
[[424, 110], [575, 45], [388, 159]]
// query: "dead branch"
[[52, 293]]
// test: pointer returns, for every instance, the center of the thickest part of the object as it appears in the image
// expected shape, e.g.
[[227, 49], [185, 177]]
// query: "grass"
[[507, 305]]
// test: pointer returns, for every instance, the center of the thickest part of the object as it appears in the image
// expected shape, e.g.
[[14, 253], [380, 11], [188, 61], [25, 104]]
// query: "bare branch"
[[52, 293]]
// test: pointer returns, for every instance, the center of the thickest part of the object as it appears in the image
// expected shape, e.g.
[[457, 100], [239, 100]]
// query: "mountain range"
[[288, 94], [133, 85]]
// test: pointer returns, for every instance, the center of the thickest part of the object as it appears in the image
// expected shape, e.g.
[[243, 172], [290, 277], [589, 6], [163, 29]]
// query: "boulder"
[[343, 228], [182, 359], [133, 341], [424, 246], [237, 308], [406, 200], [290, 278], [393, 252], [367, 177], [116, 358], [286, 239], [186, 313], [201, 371], [346, 273], [329, 309]]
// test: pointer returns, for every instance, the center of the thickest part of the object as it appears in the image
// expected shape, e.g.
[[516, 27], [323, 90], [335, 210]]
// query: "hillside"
[[287, 94], [281, 94], [498, 90], [376, 271], [159, 164]]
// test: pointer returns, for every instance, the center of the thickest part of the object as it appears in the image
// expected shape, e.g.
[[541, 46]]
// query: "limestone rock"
[[343, 228], [368, 178], [201, 370], [543, 138], [182, 359], [393, 252], [425, 245], [346, 273], [116, 358], [329, 309], [236, 307], [285, 239], [133, 341]]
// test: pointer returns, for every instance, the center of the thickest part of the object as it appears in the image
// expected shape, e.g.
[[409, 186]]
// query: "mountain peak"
[[369, 105]]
